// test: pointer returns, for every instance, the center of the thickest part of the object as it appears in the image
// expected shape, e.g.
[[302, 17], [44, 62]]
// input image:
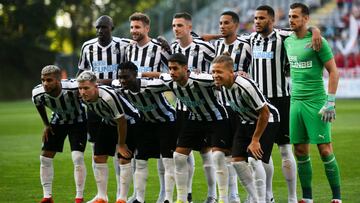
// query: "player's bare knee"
[[325, 149], [100, 159], [301, 149], [48, 154]]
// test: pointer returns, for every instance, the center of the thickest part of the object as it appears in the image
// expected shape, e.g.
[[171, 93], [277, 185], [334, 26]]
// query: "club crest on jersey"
[[150, 54], [116, 50], [308, 46], [193, 53]]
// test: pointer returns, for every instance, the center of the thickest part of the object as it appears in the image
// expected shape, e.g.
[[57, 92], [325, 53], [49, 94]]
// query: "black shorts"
[[154, 139], [243, 138], [107, 138], [93, 125], [199, 134], [77, 137], [283, 106], [234, 120], [181, 117]]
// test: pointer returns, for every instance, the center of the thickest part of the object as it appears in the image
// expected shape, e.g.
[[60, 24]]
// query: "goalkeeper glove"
[[328, 110]]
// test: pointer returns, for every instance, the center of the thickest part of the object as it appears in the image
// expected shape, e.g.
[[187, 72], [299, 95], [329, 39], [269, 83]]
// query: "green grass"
[[20, 142]]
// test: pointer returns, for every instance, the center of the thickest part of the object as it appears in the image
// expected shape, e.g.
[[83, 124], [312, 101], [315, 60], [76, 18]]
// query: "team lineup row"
[[232, 104]]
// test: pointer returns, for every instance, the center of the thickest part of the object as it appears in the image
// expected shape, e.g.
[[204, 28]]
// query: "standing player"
[[102, 55], [259, 121], [149, 55], [207, 122], [269, 70], [239, 51], [199, 55], [116, 128], [311, 110], [159, 116], [68, 118]]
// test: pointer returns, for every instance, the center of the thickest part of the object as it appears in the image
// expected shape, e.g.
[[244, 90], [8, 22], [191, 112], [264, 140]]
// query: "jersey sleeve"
[[253, 94], [158, 85], [325, 53], [36, 95], [204, 79], [83, 62], [209, 51]]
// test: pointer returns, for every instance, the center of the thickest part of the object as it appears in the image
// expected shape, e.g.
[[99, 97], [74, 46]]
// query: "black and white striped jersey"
[[239, 51], [199, 54], [198, 95], [148, 58], [111, 106], [103, 60], [66, 107], [269, 63], [245, 98], [150, 102]]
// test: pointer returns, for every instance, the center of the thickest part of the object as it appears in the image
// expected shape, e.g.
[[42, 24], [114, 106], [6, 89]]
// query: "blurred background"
[[35, 33]]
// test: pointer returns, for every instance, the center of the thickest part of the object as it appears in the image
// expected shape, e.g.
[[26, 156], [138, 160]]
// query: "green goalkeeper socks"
[[332, 174], [305, 175]]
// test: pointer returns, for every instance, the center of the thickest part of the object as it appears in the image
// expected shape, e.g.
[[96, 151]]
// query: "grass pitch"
[[20, 144]]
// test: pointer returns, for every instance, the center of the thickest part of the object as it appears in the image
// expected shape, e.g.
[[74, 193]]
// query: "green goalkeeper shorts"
[[306, 125]]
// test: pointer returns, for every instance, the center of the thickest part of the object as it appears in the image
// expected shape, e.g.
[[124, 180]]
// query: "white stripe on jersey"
[[245, 98], [111, 106], [66, 108], [239, 51], [149, 57], [103, 60], [269, 63], [198, 95], [150, 103], [199, 54]]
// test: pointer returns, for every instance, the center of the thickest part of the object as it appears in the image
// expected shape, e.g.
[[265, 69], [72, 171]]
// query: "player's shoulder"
[[37, 90], [245, 82], [155, 42], [283, 32], [201, 77], [121, 40], [90, 42], [69, 84], [107, 93]]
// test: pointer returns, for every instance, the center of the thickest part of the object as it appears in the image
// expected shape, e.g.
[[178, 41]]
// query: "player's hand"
[[124, 151], [327, 112], [164, 43], [255, 149], [316, 41], [47, 132]]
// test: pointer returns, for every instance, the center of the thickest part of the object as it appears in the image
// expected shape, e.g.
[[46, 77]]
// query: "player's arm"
[[122, 132], [255, 147], [149, 74], [47, 130], [328, 110], [316, 41]]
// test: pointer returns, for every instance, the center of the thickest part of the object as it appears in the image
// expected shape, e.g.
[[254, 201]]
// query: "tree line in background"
[[30, 36]]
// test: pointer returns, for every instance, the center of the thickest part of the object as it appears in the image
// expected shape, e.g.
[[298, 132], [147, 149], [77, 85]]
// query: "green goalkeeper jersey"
[[306, 67]]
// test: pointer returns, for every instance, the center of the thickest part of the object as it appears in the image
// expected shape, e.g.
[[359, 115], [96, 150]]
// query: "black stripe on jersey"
[[63, 106], [273, 70], [73, 98], [206, 105], [192, 98], [158, 110], [143, 56], [152, 60], [118, 56], [91, 50], [261, 96], [195, 59], [109, 60]]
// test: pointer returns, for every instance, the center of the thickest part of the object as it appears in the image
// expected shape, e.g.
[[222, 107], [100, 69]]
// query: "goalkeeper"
[[311, 109]]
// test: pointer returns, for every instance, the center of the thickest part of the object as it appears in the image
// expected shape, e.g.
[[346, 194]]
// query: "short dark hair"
[[178, 58], [127, 66], [141, 17], [304, 9], [267, 8], [184, 15], [234, 16]]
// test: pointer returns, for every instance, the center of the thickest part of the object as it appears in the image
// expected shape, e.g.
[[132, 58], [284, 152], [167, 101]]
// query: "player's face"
[[297, 20], [223, 76], [181, 28], [103, 29], [127, 78], [227, 26], [138, 30], [263, 21], [50, 83], [88, 91], [178, 72]]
